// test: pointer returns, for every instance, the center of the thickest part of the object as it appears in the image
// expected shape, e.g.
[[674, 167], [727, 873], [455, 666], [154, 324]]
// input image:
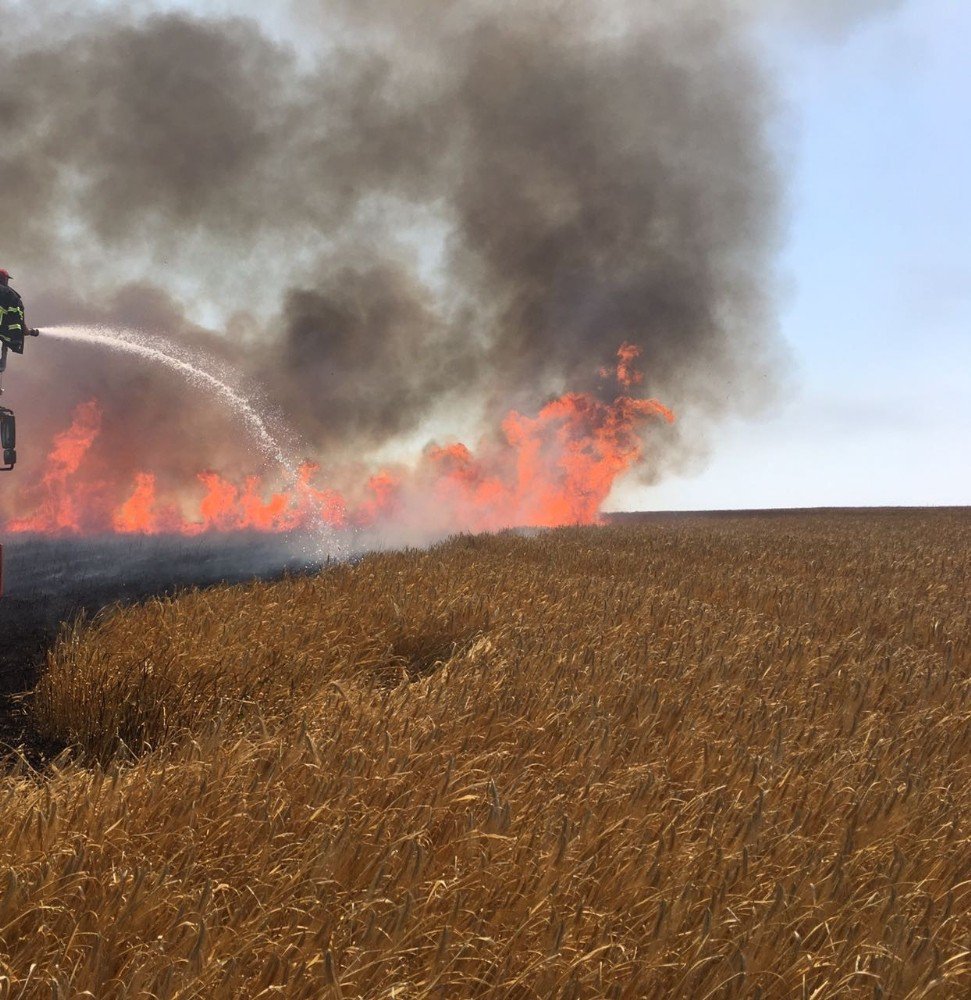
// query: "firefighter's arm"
[[27, 330]]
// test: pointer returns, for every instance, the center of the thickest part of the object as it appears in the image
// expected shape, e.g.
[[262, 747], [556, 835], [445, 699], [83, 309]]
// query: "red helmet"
[[4, 276]]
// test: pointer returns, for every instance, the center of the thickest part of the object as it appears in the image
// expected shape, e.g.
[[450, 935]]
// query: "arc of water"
[[177, 360], [315, 544]]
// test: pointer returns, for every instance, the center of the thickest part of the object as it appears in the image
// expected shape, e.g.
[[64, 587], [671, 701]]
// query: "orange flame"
[[555, 468], [625, 372], [137, 515], [58, 507]]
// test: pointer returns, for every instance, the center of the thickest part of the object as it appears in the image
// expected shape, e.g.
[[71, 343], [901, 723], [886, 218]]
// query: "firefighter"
[[13, 330], [13, 326]]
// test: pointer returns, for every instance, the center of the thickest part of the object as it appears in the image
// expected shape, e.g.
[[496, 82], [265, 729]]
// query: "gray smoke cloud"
[[397, 213]]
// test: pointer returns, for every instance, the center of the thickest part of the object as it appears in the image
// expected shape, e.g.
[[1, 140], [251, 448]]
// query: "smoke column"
[[399, 223]]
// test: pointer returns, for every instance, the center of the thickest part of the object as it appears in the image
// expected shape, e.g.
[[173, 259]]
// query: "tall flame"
[[57, 509], [554, 468]]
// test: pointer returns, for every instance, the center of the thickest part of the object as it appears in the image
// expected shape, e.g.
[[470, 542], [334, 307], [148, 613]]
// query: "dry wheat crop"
[[693, 757]]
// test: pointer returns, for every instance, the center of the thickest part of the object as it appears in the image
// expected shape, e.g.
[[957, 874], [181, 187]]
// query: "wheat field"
[[699, 757]]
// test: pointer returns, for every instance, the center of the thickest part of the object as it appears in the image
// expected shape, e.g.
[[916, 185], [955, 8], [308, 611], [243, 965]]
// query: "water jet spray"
[[195, 369]]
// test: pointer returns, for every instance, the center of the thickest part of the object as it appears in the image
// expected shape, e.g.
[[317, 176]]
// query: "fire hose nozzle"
[[33, 333]]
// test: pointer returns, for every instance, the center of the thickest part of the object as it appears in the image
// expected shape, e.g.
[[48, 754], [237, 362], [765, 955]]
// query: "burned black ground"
[[50, 582]]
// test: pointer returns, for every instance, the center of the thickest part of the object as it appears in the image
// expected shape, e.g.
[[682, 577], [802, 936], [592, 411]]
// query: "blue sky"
[[876, 266]]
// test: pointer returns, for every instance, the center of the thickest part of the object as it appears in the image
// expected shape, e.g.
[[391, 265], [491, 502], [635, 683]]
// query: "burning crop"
[[554, 468]]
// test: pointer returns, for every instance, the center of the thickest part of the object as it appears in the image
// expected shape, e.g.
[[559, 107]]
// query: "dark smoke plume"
[[411, 214]]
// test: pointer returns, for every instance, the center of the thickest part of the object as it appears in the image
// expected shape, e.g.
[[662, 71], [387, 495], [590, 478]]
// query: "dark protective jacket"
[[13, 326]]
